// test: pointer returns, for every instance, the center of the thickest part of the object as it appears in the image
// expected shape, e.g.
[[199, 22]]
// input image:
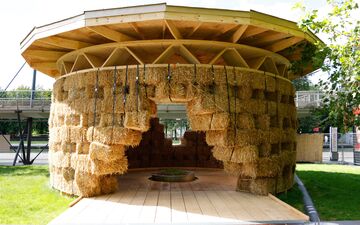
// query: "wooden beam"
[[184, 52], [68, 66], [233, 57], [283, 44], [64, 43], [44, 55], [81, 62], [44, 65], [213, 61], [252, 31], [110, 34], [165, 55], [117, 57], [238, 33], [173, 29], [269, 66], [94, 60], [134, 55], [257, 62], [137, 30], [194, 30], [266, 38]]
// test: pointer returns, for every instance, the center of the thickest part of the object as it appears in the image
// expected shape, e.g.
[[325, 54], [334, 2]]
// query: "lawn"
[[26, 198], [335, 190]]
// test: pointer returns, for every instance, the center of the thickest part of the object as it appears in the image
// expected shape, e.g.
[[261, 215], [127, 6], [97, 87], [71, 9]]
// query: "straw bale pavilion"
[[113, 66]]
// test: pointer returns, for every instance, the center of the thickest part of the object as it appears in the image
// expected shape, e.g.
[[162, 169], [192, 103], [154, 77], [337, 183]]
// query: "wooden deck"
[[211, 199]]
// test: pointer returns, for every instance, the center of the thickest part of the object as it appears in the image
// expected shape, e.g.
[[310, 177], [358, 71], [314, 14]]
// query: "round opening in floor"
[[173, 175]]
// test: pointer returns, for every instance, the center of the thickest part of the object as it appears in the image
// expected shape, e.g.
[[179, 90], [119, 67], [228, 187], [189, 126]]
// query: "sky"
[[19, 17]]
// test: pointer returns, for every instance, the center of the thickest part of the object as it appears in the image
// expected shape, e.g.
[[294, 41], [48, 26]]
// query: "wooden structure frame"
[[113, 66], [260, 34]]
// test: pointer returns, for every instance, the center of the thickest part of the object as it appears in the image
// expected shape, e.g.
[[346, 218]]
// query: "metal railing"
[[308, 99], [31, 99], [25, 100]]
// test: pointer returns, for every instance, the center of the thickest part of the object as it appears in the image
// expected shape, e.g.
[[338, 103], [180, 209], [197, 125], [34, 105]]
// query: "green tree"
[[341, 26], [304, 84]]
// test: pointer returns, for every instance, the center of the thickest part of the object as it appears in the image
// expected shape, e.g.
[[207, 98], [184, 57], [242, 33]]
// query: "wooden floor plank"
[[163, 209], [235, 206], [192, 207], [121, 208], [210, 199], [148, 211], [178, 211], [135, 207], [220, 206]]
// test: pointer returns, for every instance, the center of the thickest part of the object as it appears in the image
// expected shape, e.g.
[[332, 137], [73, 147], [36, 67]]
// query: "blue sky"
[[19, 17]]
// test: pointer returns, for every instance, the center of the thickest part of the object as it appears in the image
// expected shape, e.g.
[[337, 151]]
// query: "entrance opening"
[[171, 143]]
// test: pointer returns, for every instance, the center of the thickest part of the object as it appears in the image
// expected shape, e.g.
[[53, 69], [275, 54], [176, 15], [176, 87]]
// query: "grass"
[[334, 189], [26, 198]]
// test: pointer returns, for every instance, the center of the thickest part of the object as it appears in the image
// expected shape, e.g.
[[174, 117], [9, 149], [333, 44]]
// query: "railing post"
[[33, 89]]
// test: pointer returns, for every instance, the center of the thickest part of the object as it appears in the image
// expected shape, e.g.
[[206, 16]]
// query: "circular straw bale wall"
[[248, 115]]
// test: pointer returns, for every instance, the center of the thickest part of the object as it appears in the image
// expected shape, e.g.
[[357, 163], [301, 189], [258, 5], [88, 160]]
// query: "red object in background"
[[357, 147], [356, 111], [316, 129]]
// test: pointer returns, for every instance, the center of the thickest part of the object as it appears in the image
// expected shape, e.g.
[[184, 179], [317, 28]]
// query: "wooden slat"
[[64, 43], [233, 57], [178, 211], [163, 210], [122, 206], [134, 55], [148, 211], [173, 29], [44, 55], [94, 60], [213, 61], [165, 55], [81, 62], [238, 33], [184, 52], [220, 206], [206, 206], [44, 65], [194, 29], [283, 44], [137, 30], [110, 34], [135, 207], [193, 211]]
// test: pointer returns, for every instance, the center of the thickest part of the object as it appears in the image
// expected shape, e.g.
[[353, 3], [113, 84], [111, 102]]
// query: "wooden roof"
[[247, 37]]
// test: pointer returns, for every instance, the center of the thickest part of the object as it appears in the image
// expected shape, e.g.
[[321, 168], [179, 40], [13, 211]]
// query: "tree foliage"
[[341, 27], [303, 84]]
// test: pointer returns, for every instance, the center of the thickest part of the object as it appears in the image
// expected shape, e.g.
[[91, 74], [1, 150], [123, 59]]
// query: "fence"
[[27, 99]]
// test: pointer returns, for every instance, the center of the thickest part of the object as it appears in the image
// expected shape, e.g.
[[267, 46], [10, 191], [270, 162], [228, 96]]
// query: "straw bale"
[[222, 153], [150, 91], [78, 134], [156, 75], [200, 122], [253, 106], [99, 151], [87, 184], [262, 186], [244, 154], [118, 166], [178, 92], [124, 136], [82, 147], [65, 133], [245, 121], [108, 184], [161, 92], [68, 173], [264, 150], [152, 109], [106, 119], [270, 84], [55, 134], [244, 92], [249, 137], [87, 78], [99, 134], [106, 78], [258, 81], [81, 162], [84, 120], [72, 119], [220, 138], [288, 135], [262, 122], [271, 108], [59, 159], [54, 146], [232, 168], [68, 147], [58, 89], [273, 136], [243, 78], [282, 109], [202, 105], [137, 120], [220, 121], [203, 75]]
